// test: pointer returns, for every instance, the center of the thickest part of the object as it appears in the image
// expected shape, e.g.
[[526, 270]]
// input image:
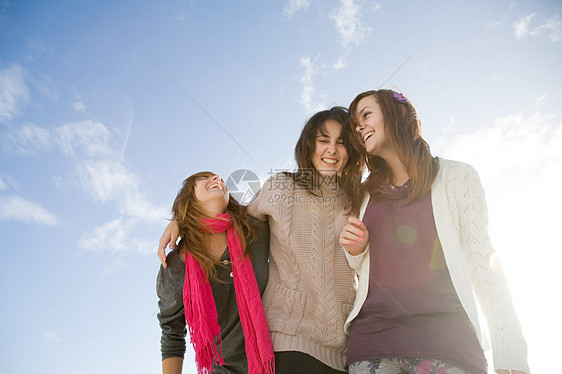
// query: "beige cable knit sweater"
[[310, 290]]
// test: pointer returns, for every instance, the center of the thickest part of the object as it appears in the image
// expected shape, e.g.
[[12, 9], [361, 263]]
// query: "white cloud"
[[116, 236], [7, 182], [308, 86], [28, 139], [79, 106], [552, 27], [52, 337], [83, 138], [348, 23], [111, 235], [16, 208], [539, 100], [493, 20], [106, 180], [521, 26], [295, 6], [100, 174], [109, 181], [13, 91], [341, 63], [352, 32], [88, 137]]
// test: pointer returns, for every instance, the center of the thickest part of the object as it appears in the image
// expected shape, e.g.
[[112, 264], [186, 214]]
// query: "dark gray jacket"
[[169, 287]]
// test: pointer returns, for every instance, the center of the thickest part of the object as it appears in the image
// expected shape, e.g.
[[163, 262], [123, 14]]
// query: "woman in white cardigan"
[[423, 257]]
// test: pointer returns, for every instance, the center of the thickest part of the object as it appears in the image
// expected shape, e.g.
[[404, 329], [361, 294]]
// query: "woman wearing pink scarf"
[[311, 287], [213, 284]]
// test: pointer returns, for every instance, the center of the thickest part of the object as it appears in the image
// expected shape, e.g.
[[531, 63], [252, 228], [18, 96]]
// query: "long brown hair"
[[402, 129], [188, 213], [350, 177]]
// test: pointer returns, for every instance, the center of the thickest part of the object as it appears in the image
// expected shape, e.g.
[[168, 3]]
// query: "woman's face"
[[211, 193], [330, 155], [370, 127]]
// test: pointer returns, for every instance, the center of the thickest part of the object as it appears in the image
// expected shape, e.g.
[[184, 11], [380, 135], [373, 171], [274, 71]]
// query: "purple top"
[[412, 309]]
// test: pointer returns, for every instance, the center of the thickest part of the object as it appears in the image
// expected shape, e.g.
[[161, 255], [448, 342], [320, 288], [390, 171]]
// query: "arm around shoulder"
[[274, 191]]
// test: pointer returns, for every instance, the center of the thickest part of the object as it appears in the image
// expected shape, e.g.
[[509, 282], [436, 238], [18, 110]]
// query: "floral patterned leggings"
[[403, 365]]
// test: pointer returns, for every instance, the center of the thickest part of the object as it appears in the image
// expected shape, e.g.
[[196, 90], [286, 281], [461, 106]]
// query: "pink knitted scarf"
[[201, 314]]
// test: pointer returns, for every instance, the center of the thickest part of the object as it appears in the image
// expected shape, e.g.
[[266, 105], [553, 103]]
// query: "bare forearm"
[[172, 365]]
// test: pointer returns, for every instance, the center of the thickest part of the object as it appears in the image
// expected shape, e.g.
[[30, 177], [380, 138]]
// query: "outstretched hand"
[[169, 238], [354, 236]]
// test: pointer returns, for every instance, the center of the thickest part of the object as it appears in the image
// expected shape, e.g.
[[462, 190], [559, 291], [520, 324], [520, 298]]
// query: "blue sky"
[[105, 107]]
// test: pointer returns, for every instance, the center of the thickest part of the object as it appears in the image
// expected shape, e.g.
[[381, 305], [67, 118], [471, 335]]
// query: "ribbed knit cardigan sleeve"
[[356, 261], [489, 285]]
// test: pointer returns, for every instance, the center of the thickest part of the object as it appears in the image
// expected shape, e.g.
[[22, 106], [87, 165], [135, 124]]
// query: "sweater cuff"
[[355, 261], [511, 354]]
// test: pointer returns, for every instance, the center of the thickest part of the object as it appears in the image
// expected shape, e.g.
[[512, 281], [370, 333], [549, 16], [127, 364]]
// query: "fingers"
[[354, 236], [171, 234], [162, 258], [357, 223], [168, 238], [354, 231], [162, 251], [349, 237], [173, 239]]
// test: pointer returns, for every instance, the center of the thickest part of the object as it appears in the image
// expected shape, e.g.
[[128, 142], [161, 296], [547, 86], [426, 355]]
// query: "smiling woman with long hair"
[[428, 266], [213, 283]]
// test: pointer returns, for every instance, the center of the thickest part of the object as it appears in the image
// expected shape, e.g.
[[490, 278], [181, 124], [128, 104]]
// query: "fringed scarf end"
[[270, 366], [267, 367], [209, 354]]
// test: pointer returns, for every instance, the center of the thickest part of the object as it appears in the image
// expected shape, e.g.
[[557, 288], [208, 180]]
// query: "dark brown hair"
[[402, 129], [350, 176], [188, 214]]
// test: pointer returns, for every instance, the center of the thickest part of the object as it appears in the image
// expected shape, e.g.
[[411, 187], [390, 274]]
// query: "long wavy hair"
[[402, 130], [349, 178], [188, 213]]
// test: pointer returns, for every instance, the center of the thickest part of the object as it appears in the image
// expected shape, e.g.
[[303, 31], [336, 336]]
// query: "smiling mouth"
[[215, 185], [368, 135], [330, 161]]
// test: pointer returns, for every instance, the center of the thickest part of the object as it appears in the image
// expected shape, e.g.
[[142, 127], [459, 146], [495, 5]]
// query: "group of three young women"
[[398, 298]]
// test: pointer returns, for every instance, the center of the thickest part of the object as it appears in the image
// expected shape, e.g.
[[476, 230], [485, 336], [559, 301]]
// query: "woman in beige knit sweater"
[[310, 290]]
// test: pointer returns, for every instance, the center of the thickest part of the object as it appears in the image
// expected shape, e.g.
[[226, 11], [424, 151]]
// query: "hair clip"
[[398, 96]]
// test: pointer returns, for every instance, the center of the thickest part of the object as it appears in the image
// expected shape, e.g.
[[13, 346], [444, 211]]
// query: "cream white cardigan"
[[460, 214]]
